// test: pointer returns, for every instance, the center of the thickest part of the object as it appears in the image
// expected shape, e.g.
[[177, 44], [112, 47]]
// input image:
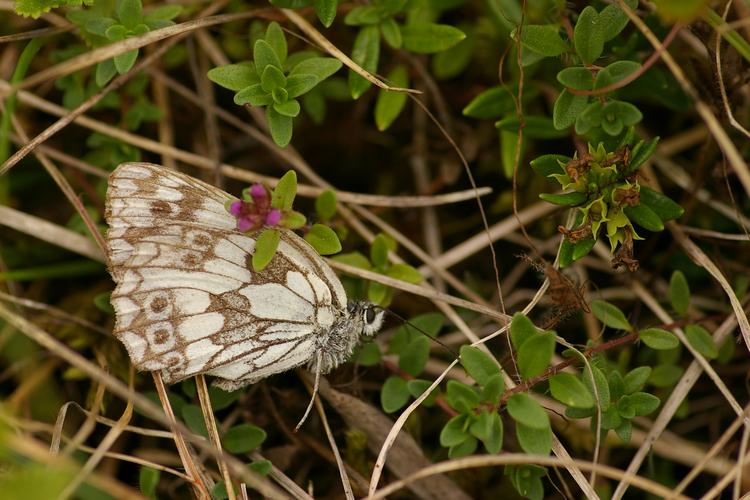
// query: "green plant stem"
[[732, 37]]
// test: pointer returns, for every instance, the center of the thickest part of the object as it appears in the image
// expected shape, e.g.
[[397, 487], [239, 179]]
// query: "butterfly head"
[[368, 315]]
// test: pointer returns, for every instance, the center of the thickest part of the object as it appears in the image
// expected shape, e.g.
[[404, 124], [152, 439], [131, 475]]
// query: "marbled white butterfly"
[[187, 300]]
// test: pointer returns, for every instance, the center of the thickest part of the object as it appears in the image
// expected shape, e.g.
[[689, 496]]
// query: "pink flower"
[[255, 210], [273, 217], [235, 208]]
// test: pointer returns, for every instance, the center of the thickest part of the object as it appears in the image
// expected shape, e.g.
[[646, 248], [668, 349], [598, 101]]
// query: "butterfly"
[[187, 300]]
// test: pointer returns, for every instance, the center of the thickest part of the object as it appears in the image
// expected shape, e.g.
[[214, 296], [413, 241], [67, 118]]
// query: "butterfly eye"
[[369, 315]]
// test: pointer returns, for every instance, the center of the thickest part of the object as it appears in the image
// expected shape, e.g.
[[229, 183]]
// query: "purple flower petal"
[[244, 224], [273, 217], [235, 208], [258, 191]]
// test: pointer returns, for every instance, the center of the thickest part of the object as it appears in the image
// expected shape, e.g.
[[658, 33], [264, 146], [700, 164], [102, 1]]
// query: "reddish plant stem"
[[552, 370]]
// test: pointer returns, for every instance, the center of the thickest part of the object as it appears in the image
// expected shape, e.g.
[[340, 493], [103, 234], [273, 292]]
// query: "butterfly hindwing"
[[187, 300]]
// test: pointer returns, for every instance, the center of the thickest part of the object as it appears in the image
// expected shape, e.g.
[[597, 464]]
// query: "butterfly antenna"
[[412, 325], [314, 393]]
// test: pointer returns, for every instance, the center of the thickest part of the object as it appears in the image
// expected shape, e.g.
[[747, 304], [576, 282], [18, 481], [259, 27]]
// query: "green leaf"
[[379, 294], [148, 480], [193, 417], [221, 399], [582, 248], [567, 108], [533, 440], [243, 438], [636, 379], [253, 95], [283, 194], [325, 205], [280, 126], [368, 354], [364, 15], [508, 150], [644, 217], [296, 85], [366, 53], [679, 293], [547, 165], [277, 41], [404, 272], [428, 38], [590, 117], [125, 61], [116, 32], [570, 199], [525, 410], [424, 324], [379, 251], [613, 20], [414, 357], [644, 403], [588, 35], [454, 431], [480, 366], [664, 376], [537, 127], [262, 467], [544, 39], [394, 394], [625, 431], [461, 397], [390, 104], [569, 390], [355, 259], [265, 248], [272, 78], [616, 384], [323, 239], [264, 55], [464, 448], [702, 341], [664, 207], [611, 418], [610, 315], [130, 12], [99, 26], [576, 78], [488, 428], [35, 8], [493, 389], [102, 301], [163, 13], [615, 72], [602, 386], [292, 220], [521, 330], [642, 152], [391, 32], [289, 108], [492, 103], [318, 67], [326, 11], [417, 387], [658, 339]]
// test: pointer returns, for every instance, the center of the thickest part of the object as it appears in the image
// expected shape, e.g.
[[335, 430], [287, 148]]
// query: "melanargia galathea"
[[187, 300]]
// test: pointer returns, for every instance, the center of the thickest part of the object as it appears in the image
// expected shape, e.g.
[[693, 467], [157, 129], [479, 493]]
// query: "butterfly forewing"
[[187, 300]]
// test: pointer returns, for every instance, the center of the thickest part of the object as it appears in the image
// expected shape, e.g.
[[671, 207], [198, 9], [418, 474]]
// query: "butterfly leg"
[[315, 390]]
